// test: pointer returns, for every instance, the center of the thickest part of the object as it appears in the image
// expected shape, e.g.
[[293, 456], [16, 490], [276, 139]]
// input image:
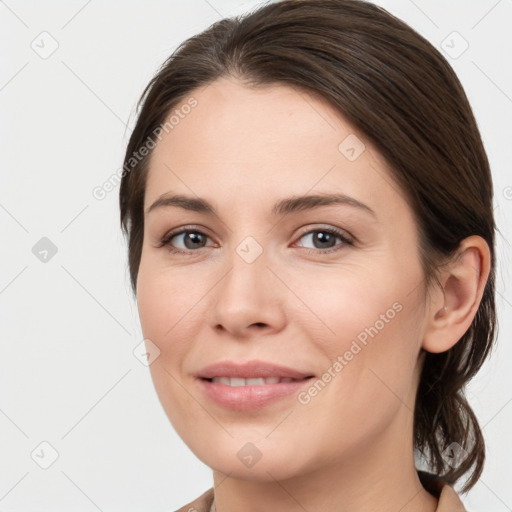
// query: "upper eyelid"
[[202, 230], [307, 230], [167, 237], [338, 231], [185, 229]]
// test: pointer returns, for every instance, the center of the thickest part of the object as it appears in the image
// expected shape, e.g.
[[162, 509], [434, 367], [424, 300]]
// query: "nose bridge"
[[249, 273], [250, 250], [247, 294]]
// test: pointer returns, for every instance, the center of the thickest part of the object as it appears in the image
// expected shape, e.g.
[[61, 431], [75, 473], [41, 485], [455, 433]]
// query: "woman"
[[308, 207]]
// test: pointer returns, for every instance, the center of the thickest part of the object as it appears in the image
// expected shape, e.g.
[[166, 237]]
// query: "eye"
[[184, 240], [187, 240], [325, 239]]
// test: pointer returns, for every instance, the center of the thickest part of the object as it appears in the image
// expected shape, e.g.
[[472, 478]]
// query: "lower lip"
[[248, 398]]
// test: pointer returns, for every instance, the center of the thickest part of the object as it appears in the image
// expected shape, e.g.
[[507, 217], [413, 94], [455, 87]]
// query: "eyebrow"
[[283, 207]]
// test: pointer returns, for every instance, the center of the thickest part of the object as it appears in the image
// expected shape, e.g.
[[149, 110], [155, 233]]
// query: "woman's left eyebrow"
[[283, 207], [301, 203]]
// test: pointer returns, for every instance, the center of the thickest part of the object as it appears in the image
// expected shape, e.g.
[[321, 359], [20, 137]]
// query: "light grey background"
[[68, 374]]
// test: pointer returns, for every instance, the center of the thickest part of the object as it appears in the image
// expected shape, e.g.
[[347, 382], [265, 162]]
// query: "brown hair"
[[395, 88]]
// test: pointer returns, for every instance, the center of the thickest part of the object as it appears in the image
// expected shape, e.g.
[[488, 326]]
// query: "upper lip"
[[250, 369]]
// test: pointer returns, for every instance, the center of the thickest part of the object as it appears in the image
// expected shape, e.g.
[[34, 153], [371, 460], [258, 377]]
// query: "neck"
[[383, 491], [376, 476]]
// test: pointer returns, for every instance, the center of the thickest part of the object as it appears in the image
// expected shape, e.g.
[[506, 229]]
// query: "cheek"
[[368, 376], [370, 329], [347, 303], [169, 311], [168, 317], [165, 297]]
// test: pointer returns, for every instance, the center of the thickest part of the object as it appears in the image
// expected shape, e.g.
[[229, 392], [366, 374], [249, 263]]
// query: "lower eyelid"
[[166, 240]]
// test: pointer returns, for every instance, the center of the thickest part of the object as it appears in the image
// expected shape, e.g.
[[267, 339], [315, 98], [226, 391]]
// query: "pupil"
[[324, 239], [192, 238]]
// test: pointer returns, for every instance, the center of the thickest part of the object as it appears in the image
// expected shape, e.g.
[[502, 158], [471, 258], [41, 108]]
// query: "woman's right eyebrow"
[[283, 207], [195, 204]]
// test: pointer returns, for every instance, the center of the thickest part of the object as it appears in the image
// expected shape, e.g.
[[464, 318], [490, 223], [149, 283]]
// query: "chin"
[[260, 461]]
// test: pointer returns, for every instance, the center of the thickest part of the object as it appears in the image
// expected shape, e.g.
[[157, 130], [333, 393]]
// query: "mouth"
[[255, 381], [251, 385]]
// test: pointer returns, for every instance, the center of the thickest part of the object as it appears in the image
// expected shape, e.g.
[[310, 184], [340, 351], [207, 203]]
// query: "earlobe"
[[454, 306]]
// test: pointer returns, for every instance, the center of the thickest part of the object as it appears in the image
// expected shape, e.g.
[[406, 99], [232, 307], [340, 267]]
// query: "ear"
[[454, 305]]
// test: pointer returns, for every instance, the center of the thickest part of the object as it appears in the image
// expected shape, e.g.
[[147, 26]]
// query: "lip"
[[247, 398], [250, 369]]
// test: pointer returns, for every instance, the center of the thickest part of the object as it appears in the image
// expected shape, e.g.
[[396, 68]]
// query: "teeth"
[[254, 382], [260, 381]]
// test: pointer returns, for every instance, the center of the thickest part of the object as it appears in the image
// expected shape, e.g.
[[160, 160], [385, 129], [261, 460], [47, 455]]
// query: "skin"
[[351, 447]]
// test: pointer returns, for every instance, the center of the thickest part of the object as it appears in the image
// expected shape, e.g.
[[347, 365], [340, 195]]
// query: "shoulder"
[[201, 504]]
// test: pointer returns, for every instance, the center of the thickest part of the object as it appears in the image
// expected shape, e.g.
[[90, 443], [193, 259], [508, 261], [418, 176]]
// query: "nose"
[[249, 299]]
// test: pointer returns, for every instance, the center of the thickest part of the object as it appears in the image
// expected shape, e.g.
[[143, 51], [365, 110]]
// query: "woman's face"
[[332, 290]]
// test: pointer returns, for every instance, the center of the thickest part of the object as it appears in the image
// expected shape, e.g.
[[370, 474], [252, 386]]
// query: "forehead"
[[261, 141]]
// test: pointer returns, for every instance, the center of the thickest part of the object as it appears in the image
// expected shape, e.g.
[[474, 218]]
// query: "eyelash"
[[166, 240]]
